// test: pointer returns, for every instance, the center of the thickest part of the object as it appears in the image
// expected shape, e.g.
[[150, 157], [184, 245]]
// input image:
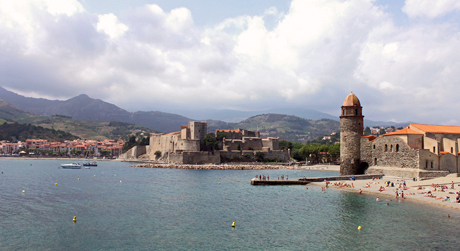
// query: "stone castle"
[[416, 151], [186, 146]]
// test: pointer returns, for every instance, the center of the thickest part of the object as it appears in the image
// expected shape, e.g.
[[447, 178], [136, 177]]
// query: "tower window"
[[397, 147], [356, 111], [374, 146]]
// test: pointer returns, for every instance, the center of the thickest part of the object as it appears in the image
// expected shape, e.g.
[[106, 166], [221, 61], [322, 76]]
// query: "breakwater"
[[211, 167]]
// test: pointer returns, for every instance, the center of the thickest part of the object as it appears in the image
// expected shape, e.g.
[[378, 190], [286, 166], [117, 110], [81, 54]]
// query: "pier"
[[304, 181]]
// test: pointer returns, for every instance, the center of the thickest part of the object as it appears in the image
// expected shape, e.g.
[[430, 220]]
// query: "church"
[[417, 151]]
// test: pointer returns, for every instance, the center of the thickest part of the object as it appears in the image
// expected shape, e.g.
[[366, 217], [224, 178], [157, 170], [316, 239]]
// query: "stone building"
[[185, 146], [416, 151]]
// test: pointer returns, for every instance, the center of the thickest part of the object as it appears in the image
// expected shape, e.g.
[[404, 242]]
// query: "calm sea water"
[[170, 209]]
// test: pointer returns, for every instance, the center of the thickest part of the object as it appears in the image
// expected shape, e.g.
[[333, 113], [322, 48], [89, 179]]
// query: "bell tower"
[[351, 130]]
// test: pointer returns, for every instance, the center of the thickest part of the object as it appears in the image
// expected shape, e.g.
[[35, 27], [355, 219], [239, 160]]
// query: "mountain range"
[[301, 124]]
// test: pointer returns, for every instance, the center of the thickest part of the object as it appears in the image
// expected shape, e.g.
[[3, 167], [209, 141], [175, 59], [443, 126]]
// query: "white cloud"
[[313, 56], [109, 24], [430, 8]]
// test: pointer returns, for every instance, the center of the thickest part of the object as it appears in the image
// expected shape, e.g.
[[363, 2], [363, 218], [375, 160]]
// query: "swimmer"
[[388, 203], [360, 191], [448, 215], [377, 199]]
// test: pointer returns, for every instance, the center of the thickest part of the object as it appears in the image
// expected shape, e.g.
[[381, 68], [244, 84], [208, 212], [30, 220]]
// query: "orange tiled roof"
[[437, 128], [370, 137], [404, 131], [444, 153], [184, 126], [227, 130], [351, 100]]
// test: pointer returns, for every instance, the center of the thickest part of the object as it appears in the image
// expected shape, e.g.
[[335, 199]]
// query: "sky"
[[401, 58]]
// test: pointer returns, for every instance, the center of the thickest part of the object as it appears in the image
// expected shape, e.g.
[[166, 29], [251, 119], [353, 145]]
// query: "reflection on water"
[[171, 209]]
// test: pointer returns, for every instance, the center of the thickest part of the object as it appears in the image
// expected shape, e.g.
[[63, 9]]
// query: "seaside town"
[[43, 148]]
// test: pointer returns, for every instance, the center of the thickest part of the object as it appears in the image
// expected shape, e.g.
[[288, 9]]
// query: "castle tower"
[[351, 130]]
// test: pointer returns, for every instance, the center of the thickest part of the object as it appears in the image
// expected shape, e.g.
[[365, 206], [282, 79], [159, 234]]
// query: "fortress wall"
[[187, 145], [404, 157], [415, 141], [134, 152], [201, 157], [163, 143], [272, 143], [282, 156], [245, 144]]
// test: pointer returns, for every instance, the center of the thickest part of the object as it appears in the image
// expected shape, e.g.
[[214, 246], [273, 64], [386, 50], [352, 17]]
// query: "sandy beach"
[[415, 190]]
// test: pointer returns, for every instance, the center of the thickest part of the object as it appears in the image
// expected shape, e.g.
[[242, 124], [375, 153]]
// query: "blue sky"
[[399, 57]]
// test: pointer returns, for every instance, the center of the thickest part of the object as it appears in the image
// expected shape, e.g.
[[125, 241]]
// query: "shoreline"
[[239, 167], [412, 193]]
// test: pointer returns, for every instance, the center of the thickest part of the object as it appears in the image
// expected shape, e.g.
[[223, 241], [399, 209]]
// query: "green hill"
[[20, 132], [288, 127]]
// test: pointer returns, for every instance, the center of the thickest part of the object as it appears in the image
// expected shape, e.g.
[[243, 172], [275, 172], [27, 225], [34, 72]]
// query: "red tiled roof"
[[405, 131], [370, 137], [171, 133], [437, 128]]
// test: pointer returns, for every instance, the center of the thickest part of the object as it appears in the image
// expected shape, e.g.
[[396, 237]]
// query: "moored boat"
[[71, 166], [94, 163]]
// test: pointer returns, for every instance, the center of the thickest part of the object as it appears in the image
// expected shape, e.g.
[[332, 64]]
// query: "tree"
[[260, 156], [157, 154], [220, 136], [209, 142], [367, 130]]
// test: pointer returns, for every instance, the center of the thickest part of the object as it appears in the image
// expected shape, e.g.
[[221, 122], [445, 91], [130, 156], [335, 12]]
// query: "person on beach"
[[268, 177], [397, 195], [360, 191], [402, 194]]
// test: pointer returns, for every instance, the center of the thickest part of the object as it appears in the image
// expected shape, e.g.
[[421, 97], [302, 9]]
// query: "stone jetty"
[[211, 167]]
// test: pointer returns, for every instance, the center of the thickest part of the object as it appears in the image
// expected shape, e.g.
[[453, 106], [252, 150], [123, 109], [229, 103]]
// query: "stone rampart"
[[195, 158], [394, 152], [134, 152]]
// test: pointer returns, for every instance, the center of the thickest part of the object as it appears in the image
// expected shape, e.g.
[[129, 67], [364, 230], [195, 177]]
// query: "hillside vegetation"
[[20, 132], [288, 127]]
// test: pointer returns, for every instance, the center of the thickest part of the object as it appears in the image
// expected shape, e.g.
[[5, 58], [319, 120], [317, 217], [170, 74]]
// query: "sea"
[[120, 207]]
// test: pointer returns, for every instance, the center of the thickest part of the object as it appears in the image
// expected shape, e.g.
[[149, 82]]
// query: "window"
[[431, 164], [391, 148], [426, 164], [434, 149], [451, 150], [374, 146], [397, 147], [375, 161], [386, 147], [356, 111]]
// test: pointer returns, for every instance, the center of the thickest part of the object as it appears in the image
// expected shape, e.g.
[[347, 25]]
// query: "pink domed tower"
[[351, 130]]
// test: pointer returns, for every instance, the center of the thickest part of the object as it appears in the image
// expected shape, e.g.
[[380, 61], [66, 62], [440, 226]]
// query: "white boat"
[[71, 166]]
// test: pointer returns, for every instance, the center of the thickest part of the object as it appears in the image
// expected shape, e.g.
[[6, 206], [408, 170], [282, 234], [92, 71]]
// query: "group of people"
[[267, 178]]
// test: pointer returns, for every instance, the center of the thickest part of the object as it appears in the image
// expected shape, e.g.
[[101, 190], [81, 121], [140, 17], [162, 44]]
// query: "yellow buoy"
[[359, 228], [95, 175], [75, 219], [102, 172], [23, 191], [219, 183], [120, 181], [233, 224], [55, 184], [78, 178]]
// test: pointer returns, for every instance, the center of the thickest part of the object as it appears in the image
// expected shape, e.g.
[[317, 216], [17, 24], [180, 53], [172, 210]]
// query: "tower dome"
[[351, 100]]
